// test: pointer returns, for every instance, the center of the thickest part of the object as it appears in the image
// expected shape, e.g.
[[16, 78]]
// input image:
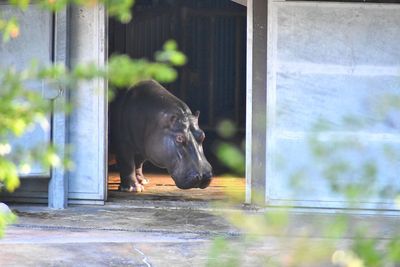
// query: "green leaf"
[[170, 45], [6, 219], [226, 129], [8, 174], [367, 250], [178, 59], [54, 5], [19, 126], [231, 156], [120, 9], [393, 250], [22, 4], [164, 73], [9, 28]]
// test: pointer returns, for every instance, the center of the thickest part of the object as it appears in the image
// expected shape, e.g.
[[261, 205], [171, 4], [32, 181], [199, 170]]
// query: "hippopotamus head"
[[177, 146]]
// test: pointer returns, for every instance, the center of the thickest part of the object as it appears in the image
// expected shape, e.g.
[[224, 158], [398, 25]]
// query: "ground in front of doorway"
[[162, 227]]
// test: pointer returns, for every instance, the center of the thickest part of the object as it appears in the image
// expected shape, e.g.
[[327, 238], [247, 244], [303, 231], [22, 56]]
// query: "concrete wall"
[[330, 63], [87, 127], [17, 54]]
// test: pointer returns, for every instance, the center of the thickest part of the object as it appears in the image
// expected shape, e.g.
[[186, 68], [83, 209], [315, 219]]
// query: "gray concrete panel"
[[33, 43], [331, 63], [87, 127]]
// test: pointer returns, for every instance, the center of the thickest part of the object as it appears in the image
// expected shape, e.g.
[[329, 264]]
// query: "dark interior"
[[212, 33]]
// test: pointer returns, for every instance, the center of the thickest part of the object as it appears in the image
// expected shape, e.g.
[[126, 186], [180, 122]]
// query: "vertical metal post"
[[58, 186], [87, 129], [256, 100]]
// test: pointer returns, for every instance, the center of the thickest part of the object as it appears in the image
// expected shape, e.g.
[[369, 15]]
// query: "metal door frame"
[[256, 101], [88, 43], [58, 185]]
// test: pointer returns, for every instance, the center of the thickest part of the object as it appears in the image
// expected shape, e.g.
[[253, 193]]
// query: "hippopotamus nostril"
[[207, 175]]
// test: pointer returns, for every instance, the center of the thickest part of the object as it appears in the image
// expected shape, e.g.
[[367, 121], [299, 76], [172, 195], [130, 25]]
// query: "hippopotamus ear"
[[195, 118]]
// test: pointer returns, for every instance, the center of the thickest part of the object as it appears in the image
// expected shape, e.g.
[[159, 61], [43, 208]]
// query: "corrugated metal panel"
[[216, 52], [212, 35]]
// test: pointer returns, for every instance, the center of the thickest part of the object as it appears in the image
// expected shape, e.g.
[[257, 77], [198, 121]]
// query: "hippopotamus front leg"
[[129, 181], [139, 172]]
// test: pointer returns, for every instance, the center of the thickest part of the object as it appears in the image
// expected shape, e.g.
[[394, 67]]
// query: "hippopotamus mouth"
[[194, 182], [204, 183]]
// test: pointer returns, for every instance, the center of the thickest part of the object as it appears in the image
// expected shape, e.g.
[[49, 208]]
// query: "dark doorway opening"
[[212, 34]]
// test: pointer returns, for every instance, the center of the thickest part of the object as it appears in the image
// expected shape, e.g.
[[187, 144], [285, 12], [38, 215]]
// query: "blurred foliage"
[[6, 218], [229, 154], [279, 237], [232, 157], [119, 9], [123, 71], [226, 129], [350, 165], [9, 28], [223, 253], [23, 107]]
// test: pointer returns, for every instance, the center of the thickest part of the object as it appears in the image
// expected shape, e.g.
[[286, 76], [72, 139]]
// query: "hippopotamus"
[[150, 123]]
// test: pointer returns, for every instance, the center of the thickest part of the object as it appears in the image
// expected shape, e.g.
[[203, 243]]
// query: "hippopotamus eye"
[[180, 138]]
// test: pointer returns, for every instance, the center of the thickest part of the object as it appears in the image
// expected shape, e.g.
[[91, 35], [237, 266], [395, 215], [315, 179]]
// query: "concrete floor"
[[162, 227], [120, 235], [27, 245]]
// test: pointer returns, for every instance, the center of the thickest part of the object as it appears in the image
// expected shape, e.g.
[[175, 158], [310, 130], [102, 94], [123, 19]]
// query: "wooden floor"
[[162, 187]]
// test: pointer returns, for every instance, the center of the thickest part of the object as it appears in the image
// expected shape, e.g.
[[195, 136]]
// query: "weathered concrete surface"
[[126, 218], [66, 247], [170, 227], [62, 247], [112, 235], [133, 232]]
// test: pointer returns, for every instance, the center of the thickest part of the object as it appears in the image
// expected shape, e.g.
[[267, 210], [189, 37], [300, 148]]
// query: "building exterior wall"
[[46, 38], [16, 54], [307, 61], [87, 126], [34, 42], [331, 64]]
